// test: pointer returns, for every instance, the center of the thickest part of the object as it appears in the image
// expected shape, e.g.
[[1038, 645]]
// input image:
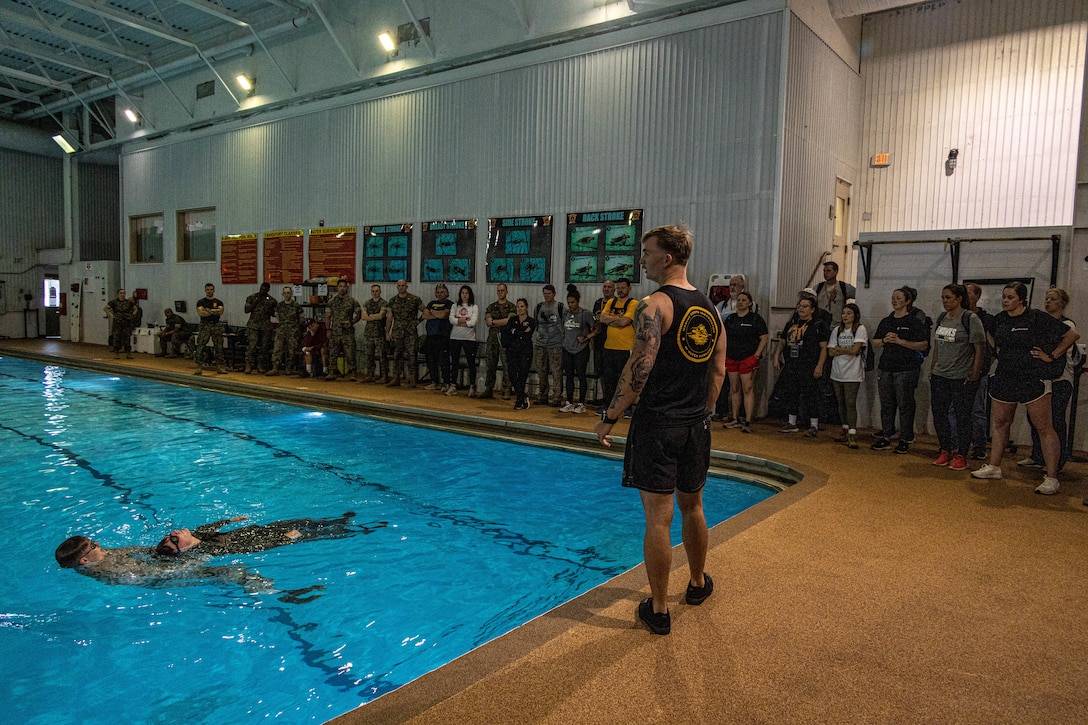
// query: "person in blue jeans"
[[904, 337], [959, 344]]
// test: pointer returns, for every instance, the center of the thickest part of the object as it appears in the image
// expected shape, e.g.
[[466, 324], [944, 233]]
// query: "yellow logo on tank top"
[[697, 335]]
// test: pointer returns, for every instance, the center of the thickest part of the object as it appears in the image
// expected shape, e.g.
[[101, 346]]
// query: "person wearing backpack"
[[618, 316], [904, 338], [832, 294], [1031, 347], [959, 346], [1061, 389]]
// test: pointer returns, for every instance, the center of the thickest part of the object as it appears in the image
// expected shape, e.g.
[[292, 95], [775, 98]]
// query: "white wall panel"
[[1001, 82], [821, 143], [684, 126]]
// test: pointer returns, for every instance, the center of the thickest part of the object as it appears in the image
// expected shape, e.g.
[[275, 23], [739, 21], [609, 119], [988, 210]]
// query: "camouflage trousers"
[[405, 352], [342, 342], [209, 331], [374, 347], [496, 354], [285, 349], [121, 339], [258, 346], [548, 362]]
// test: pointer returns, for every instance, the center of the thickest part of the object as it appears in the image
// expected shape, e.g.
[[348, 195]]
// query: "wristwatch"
[[609, 421]]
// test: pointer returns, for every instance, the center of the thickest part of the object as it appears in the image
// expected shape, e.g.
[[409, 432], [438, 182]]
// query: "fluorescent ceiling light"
[[131, 115], [387, 42], [63, 143], [244, 81]]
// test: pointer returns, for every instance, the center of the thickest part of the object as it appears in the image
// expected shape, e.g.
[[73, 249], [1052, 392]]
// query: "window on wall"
[[145, 238], [196, 235]]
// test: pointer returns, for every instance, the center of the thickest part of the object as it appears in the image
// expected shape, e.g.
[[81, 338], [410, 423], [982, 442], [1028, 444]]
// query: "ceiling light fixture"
[[247, 84], [131, 115], [387, 42], [64, 144]]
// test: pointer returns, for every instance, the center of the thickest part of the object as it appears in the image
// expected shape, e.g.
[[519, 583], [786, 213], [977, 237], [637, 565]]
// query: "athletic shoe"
[[1029, 462], [811, 432], [731, 423], [568, 408], [959, 463], [746, 427], [852, 441], [881, 444], [451, 390], [903, 447], [656, 623], [944, 459], [527, 404], [1048, 486], [979, 454], [579, 409], [697, 595], [519, 405], [987, 471], [432, 386], [843, 438], [789, 428]]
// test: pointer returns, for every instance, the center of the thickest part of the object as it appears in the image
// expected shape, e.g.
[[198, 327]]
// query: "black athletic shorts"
[[1010, 390], [661, 459]]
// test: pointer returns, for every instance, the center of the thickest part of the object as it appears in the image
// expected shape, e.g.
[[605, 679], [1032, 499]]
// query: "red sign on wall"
[[239, 259], [283, 257], [332, 253]]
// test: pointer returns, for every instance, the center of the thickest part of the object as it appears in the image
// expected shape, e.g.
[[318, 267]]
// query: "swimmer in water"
[[209, 540]]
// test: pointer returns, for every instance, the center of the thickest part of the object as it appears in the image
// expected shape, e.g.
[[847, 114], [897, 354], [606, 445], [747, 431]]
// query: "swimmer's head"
[[76, 550], [175, 542]]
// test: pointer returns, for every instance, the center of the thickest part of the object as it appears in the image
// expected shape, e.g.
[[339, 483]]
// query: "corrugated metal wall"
[[822, 133], [31, 218], [1001, 82], [99, 214], [684, 126]]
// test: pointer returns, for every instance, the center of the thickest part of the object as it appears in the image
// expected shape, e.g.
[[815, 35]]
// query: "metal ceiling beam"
[[36, 80], [217, 11], [328, 26], [130, 20], [22, 46], [79, 39], [419, 28]]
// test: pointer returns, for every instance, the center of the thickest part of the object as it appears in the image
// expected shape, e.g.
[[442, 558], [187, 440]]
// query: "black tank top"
[[676, 391]]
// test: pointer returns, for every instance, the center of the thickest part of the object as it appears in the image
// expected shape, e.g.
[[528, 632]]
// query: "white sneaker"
[[451, 390], [1029, 462], [987, 471], [579, 409], [1048, 486], [568, 408]]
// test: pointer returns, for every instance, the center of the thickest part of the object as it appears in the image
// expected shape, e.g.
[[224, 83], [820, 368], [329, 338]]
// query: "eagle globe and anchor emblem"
[[697, 334]]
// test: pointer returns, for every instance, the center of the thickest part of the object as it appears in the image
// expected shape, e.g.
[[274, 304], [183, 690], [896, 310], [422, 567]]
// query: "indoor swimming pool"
[[468, 538]]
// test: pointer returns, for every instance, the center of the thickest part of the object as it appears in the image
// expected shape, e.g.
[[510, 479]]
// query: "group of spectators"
[[982, 366], [556, 338]]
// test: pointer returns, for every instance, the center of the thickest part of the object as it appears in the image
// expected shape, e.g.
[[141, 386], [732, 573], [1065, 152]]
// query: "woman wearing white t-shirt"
[[463, 317], [846, 349]]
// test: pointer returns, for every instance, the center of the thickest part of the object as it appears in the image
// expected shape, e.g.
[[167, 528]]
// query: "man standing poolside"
[[341, 314], [496, 318], [400, 332], [210, 311], [260, 306], [677, 367], [123, 313]]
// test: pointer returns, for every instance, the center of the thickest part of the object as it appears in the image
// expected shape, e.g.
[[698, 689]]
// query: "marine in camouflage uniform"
[[260, 306], [210, 311], [123, 313], [374, 312], [341, 313], [496, 316], [288, 333], [400, 330]]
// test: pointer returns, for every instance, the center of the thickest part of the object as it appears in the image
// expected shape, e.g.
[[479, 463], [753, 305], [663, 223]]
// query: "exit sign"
[[881, 160]]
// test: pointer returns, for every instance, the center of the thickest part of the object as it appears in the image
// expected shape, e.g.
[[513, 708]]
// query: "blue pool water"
[[482, 536]]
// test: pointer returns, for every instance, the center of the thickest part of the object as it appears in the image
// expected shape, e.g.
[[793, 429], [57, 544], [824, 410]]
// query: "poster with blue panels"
[[449, 250], [604, 245], [519, 249], [387, 253]]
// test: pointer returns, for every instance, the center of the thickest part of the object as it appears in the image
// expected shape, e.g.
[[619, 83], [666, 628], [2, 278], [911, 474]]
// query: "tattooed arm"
[[717, 367], [649, 322]]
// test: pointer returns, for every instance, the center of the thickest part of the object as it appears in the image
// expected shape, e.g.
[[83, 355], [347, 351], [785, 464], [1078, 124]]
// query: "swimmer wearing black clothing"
[[209, 540]]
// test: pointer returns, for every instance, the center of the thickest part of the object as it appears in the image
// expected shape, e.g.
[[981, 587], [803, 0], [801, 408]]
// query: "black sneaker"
[[882, 444], [979, 454], [903, 447], [656, 623], [697, 595]]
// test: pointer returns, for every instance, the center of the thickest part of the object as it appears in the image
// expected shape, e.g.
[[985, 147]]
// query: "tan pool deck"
[[879, 589]]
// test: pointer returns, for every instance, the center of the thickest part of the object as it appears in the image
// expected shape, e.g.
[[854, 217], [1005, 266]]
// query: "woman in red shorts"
[[745, 338]]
